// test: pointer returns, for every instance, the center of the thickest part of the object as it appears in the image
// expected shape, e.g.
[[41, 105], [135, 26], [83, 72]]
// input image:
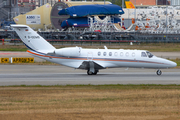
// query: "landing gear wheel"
[[95, 73], [159, 72], [89, 72]]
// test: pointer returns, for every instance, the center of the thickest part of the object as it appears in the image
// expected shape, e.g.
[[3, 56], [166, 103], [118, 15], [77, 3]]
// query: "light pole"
[[41, 3], [166, 19], [122, 3], [135, 11]]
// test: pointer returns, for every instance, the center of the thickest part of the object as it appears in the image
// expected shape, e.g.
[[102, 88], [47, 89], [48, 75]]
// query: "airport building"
[[151, 22], [13, 8], [153, 2]]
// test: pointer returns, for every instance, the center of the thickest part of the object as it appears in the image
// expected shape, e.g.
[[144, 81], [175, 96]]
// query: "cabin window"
[[121, 54], [143, 54], [99, 53], [104, 53], [115, 54], [110, 53]]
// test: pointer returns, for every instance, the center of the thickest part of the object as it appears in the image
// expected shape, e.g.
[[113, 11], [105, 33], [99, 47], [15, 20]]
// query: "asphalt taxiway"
[[61, 75]]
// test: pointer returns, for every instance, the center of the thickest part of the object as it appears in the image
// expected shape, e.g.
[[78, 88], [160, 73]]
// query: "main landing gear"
[[91, 73], [158, 72]]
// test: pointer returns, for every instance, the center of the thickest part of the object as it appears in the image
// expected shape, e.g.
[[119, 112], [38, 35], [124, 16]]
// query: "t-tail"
[[31, 39]]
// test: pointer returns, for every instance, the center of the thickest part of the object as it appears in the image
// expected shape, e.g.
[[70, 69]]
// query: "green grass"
[[101, 99], [14, 49], [153, 47], [177, 60], [106, 86]]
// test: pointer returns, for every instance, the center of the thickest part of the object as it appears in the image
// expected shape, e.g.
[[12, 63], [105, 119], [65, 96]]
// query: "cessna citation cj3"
[[91, 60]]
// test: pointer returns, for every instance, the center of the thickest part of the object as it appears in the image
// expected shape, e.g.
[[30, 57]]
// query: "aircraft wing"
[[90, 64]]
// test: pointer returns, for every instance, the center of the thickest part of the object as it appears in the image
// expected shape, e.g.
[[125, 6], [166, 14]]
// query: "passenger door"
[[90, 56]]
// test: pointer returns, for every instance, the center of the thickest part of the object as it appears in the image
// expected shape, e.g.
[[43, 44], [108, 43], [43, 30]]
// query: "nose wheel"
[[158, 72]]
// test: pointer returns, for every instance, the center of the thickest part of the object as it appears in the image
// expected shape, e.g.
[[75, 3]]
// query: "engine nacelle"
[[71, 51]]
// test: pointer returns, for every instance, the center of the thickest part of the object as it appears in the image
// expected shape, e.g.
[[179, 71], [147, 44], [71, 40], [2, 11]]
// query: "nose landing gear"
[[158, 72]]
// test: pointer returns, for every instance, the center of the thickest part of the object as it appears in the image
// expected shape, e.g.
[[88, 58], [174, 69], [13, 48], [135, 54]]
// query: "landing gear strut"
[[158, 72]]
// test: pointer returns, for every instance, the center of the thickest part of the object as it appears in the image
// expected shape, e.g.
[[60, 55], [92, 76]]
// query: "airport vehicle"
[[91, 60]]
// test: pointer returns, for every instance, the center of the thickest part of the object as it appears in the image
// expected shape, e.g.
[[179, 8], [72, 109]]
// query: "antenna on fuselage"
[[105, 47]]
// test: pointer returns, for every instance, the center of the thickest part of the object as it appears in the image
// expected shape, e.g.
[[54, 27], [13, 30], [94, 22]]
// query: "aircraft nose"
[[172, 64], [168, 63]]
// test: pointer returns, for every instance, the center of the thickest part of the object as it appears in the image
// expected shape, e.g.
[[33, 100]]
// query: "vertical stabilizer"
[[31, 39], [129, 5]]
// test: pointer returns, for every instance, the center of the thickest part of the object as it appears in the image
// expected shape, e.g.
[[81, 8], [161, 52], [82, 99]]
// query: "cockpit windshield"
[[150, 55]]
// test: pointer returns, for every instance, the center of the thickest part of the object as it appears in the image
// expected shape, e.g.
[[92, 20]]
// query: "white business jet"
[[91, 60]]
